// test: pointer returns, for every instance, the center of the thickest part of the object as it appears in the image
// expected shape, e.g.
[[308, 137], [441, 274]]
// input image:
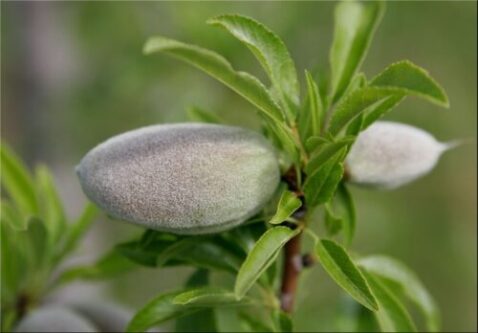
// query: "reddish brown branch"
[[290, 274]]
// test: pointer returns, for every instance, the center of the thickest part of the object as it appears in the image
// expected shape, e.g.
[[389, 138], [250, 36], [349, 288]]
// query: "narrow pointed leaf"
[[379, 110], [177, 248], [288, 204], [325, 153], [337, 263], [17, 182], [158, 310], [345, 201], [315, 104], [392, 315], [314, 142], [269, 49], [333, 223], [355, 23], [408, 78], [79, 228], [263, 254], [110, 265], [321, 184], [51, 209], [200, 321], [208, 297], [254, 323], [411, 286], [10, 216], [359, 101], [215, 65], [37, 241], [228, 320], [211, 256]]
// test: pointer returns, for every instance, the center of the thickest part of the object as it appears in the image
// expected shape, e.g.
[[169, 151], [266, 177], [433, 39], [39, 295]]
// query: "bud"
[[182, 178], [54, 319], [390, 154]]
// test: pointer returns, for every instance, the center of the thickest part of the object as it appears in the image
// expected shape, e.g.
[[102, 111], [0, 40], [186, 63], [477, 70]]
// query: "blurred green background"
[[73, 75]]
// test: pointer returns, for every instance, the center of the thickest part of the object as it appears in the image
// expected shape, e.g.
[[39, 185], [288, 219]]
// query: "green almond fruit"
[[182, 178], [54, 319], [389, 154]]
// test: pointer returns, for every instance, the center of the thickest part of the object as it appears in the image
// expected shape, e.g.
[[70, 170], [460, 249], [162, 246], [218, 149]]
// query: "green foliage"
[[342, 208], [316, 149], [272, 55], [391, 315], [35, 234], [262, 255], [405, 76], [355, 23], [288, 204], [158, 310], [406, 283], [313, 133], [215, 65], [337, 263]]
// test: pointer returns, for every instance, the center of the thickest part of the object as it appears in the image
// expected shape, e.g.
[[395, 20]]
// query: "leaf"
[[379, 110], [314, 142], [271, 52], [353, 317], [203, 116], [10, 216], [392, 315], [326, 152], [78, 229], [51, 207], [340, 214], [254, 323], [315, 103], [263, 254], [212, 256], [138, 254], [385, 91], [320, 186], [337, 263], [110, 265], [355, 125], [208, 297], [14, 262], [16, 180], [285, 322], [333, 223], [406, 77], [200, 321], [174, 250], [357, 102], [288, 204], [37, 241], [245, 236], [215, 65], [411, 286], [355, 24], [228, 320], [158, 310]]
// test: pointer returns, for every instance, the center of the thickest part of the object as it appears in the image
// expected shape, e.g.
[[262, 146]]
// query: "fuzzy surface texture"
[[390, 154], [182, 178]]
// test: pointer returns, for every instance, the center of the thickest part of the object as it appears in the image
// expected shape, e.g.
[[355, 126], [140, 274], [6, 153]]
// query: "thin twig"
[[290, 275], [292, 255]]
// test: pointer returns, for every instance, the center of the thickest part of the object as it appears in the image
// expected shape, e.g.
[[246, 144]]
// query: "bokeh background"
[[73, 75]]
